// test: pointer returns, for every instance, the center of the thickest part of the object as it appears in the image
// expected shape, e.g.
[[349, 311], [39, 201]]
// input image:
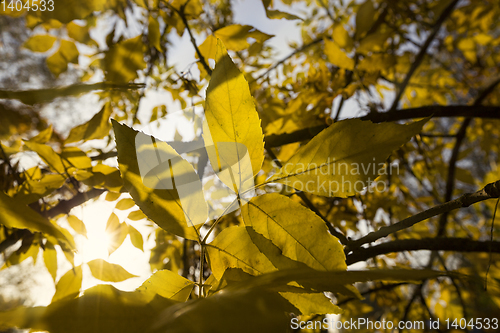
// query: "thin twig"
[[490, 191]]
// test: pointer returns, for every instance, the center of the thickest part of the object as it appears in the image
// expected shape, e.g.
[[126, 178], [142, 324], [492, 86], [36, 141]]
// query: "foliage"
[[313, 191]]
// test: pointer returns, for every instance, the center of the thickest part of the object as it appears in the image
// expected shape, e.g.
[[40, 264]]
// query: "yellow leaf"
[[67, 53], [48, 155], [125, 204], [243, 248], [75, 157], [365, 18], [153, 192], [116, 231], [112, 196], [123, 60], [341, 37], [136, 238], [78, 32], [50, 259], [298, 232], [77, 225], [17, 215], [154, 33], [344, 158], [169, 285], [338, 57], [105, 271], [69, 284], [311, 303], [232, 131], [235, 36], [96, 128], [136, 215], [40, 43], [43, 136], [207, 49]]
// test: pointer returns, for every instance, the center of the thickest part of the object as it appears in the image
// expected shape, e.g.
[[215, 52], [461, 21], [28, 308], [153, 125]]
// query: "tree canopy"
[[356, 176]]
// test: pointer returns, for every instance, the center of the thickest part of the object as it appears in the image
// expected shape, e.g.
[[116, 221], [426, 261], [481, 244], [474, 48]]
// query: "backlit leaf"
[[235, 36], [169, 285], [136, 238], [240, 247], [40, 43], [77, 225], [125, 204], [43, 136], [96, 128], [50, 259], [108, 272], [116, 231], [298, 232], [345, 157], [155, 199], [69, 284], [232, 131], [48, 155], [17, 215]]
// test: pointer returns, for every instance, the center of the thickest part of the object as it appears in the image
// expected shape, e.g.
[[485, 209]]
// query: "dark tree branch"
[[434, 244], [438, 111], [490, 191], [65, 206], [31, 97], [452, 165], [183, 17], [421, 54]]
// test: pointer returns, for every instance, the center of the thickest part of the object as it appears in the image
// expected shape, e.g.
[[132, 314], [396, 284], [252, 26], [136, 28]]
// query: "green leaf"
[[77, 225], [169, 285], [17, 215], [345, 157], [96, 128], [232, 131], [108, 272], [240, 247], [298, 232], [69, 284], [338, 57], [40, 43], [125, 204], [156, 200], [123, 60], [50, 259], [136, 238]]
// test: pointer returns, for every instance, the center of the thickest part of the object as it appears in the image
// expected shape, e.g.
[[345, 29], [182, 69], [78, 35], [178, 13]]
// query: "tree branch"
[[421, 54], [438, 111], [434, 244], [490, 191], [65, 206]]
